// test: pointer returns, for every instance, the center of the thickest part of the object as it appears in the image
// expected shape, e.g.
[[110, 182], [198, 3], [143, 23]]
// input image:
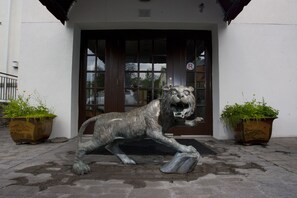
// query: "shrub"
[[234, 114], [22, 107]]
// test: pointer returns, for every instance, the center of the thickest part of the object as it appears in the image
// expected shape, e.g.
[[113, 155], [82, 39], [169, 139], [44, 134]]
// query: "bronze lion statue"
[[151, 120]]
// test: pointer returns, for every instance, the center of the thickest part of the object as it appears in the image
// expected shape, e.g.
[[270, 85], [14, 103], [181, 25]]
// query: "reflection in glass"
[[95, 98], [145, 66], [95, 77], [160, 63], [100, 65], [95, 80], [159, 80], [100, 79], [145, 80], [200, 97], [100, 97], [200, 59], [197, 77], [145, 71], [130, 97], [89, 94], [131, 67], [90, 79], [145, 63], [160, 67], [131, 63], [131, 80], [92, 111], [200, 112], [91, 63], [143, 96]]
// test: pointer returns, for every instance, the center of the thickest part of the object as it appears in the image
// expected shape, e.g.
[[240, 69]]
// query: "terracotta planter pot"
[[254, 131], [32, 131]]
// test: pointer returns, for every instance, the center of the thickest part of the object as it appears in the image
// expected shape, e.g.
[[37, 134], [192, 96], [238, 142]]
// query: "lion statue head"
[[178, 102]]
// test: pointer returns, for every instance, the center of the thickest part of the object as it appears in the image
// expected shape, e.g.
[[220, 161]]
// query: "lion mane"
[[176, 104]]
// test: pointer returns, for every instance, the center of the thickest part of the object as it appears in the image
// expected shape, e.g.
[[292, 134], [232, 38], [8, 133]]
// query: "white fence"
[[8, 87]]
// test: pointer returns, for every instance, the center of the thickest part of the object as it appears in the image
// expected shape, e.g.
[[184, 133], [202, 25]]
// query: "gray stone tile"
[[236, 171], [149, 193]]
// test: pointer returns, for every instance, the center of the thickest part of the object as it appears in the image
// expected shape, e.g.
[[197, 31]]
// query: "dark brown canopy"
[[60, 8], [232, 8]]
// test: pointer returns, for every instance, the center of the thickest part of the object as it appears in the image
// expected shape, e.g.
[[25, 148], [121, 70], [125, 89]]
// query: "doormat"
[[150, 147]]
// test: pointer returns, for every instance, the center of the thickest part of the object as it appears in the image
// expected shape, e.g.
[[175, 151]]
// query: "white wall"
[[10, 17], [49, 58], [46, 64], [4, 29], [258, 56]]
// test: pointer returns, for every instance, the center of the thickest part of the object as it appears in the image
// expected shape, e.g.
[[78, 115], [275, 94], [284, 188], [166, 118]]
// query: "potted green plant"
[[30, 120], [251, 121]]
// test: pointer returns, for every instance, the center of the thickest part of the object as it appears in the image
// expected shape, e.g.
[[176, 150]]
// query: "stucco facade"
[[254, 56], [10, 22]]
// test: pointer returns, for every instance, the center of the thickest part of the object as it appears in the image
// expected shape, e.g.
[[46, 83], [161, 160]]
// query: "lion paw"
[[199, 119], [188, 149], [129, 162], [80, 168], [191, 149]]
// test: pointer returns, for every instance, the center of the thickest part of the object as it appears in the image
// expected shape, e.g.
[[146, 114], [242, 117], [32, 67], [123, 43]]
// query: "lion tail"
[[84, 126]]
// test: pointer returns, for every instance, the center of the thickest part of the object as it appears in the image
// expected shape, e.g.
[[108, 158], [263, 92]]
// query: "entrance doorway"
[[125, 69]]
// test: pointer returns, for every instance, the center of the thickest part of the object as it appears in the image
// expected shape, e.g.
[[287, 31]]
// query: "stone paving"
[[43, 170]]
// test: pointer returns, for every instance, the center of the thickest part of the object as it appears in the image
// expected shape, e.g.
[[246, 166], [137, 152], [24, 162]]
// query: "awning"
[[60, 8], [232, 8]]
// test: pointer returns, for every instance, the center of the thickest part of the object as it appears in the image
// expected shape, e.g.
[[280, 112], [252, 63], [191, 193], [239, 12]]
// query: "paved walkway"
[[43, 170]]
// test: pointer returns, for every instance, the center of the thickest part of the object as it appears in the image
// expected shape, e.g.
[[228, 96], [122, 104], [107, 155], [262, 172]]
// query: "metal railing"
[[8, 87]]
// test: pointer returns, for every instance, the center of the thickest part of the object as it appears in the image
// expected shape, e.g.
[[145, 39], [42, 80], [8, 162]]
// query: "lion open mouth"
[[181, 110]]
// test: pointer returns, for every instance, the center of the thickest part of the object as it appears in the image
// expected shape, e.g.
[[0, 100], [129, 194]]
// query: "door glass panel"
[[91, 61], [131, 80], [145, 71], [145, 80], [196, 72], [200, 97], [159, 63], [100, 65], [131, 63], [99, 80], [145, 63], [95, 78], [90, 97]]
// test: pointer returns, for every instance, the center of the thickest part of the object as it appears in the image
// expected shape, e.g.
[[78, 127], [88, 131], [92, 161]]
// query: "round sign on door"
[[190, 66]]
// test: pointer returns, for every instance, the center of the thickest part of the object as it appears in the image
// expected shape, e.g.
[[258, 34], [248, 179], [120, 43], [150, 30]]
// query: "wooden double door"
[[124, 69]]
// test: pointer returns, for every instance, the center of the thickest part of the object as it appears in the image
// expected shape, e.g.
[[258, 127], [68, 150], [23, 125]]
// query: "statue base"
[[181, 163]]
